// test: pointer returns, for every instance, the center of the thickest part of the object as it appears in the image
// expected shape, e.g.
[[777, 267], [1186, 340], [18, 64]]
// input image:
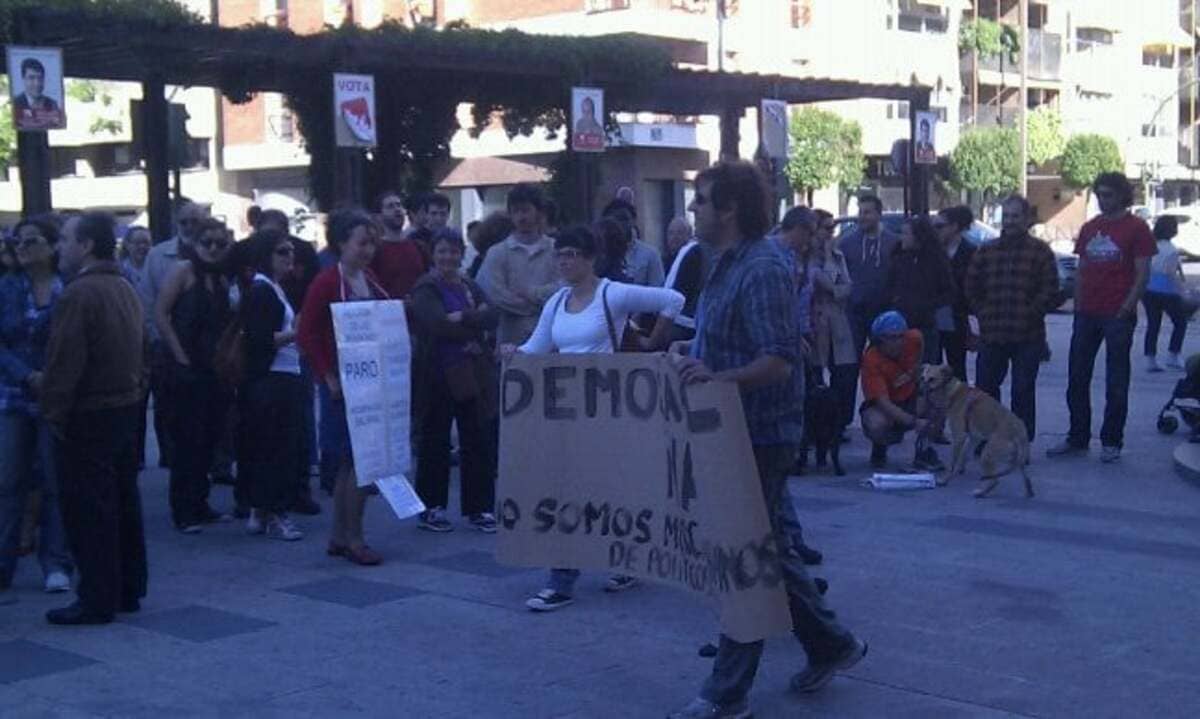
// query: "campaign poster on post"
[[374, 364], [354, 110], [587, 119], [774, 121], [610, 462], [35, 81], [925, 148]]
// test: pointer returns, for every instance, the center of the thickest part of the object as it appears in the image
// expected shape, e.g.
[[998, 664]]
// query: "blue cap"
[[888, 323]]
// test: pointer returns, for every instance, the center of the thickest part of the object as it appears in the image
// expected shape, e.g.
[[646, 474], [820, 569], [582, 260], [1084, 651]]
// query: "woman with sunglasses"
[[352, 236], [191, 313], [27, 467], [833, 357], [271, 397], [588, 315]]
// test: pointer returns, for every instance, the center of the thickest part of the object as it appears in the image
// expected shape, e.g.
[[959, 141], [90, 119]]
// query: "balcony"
[[1045, 54]]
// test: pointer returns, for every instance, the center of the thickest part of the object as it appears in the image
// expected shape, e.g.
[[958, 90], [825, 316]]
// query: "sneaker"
[[194, 528], [1152, 364], [927, 459], [701, 708], [1173, 362], [809, 556], [816, 676], [1065, 449], [280, 527], [548, 600], [878, 456], [1108, 454], [434, 520], [619, 583], [254, 523], [212, 516], [57, 582], [484, 522]]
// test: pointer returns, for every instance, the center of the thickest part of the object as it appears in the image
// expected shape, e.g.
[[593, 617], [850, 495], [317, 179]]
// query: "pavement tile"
[[23, 659], [351, 592], [475, 562], [198, 623]]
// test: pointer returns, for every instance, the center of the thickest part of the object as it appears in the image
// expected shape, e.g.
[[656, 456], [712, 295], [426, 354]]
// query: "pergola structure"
[[243, 61]]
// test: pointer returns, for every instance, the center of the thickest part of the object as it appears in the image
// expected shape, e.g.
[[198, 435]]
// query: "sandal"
[[363, 555]]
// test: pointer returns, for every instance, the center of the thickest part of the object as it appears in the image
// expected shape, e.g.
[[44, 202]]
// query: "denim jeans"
[[1156, 303], [1117, 336], [991, 368], [813, 623], [27, 464]]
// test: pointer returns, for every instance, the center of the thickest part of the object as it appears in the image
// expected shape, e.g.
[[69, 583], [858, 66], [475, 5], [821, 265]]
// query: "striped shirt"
[[1011, 284], [747, 310]]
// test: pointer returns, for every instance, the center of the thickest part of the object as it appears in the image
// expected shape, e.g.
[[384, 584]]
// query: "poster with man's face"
[[925, 147], [35, 80], [587, 119]]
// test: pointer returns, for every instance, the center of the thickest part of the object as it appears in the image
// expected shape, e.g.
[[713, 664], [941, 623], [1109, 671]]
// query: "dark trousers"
[[1117, 336], [271, 451], [164, 406], [1157, 303], [954, 346], [842, 380], [1025, 358], [102, 508], [329, 453], [202, 411], [931, 345], [478, 480], [813, 623]]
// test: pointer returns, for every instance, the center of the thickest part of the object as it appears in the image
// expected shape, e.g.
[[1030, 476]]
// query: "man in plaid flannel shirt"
[[1011, 284]]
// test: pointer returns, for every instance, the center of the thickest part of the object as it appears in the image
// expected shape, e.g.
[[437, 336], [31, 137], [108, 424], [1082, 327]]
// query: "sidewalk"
[[1080, 602]]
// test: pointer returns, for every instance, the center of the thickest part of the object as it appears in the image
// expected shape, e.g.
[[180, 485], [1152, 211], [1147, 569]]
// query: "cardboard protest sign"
[[609, 462], [374, 364]]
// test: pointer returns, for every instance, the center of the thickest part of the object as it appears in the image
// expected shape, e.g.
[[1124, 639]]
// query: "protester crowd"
[[232, 341]]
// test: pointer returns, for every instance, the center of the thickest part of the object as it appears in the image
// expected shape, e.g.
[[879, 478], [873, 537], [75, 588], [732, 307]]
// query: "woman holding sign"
[[352, 238], [588, 315]]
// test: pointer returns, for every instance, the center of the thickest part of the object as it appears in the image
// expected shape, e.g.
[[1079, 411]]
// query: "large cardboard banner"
[[374, 364], [609, 462]]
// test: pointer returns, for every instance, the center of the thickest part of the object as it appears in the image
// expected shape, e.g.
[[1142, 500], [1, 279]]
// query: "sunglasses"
[[213, 244]]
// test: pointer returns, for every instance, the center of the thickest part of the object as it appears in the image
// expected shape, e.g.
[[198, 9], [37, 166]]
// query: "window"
[[801, 14], [917, 17], [275, 12], [1088, 37], [606, 5], [1158, 56]]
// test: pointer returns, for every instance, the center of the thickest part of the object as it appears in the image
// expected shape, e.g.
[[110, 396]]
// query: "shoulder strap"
[[608, 320]]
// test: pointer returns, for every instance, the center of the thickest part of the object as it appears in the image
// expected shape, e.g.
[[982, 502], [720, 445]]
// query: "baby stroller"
[[1184, 402]]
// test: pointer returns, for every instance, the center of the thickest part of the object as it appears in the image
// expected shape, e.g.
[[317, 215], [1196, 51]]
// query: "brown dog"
[[974, 415]]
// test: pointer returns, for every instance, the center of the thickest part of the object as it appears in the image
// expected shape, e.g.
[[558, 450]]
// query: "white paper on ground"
[[400, 495], [923, 480]]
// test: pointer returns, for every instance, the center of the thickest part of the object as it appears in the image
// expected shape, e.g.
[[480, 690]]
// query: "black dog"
[[823, 428]]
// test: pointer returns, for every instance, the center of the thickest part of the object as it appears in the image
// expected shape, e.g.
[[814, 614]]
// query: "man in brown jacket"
[[91, 395]]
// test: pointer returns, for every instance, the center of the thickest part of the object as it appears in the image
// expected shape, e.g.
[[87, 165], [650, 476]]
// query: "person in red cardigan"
[[352, 237]]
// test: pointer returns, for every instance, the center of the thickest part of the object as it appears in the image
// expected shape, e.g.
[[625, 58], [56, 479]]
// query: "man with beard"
[[399, 261]]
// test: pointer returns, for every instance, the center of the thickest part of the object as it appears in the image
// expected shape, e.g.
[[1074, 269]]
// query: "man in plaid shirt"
[[1011, 284]]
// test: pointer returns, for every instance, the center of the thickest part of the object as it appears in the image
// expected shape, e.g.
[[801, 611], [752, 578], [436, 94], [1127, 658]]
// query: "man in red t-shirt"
[[1114, 251], [399, 260]]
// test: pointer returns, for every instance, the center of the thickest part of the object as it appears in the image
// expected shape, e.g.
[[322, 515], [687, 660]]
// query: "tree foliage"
[[988, 161], [1087, 156], [988, 38], [1046, 140], [8, 132], [825, 151]]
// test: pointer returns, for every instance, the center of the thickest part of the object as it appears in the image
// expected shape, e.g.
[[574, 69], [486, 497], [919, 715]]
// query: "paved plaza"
[[1079, 603]]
